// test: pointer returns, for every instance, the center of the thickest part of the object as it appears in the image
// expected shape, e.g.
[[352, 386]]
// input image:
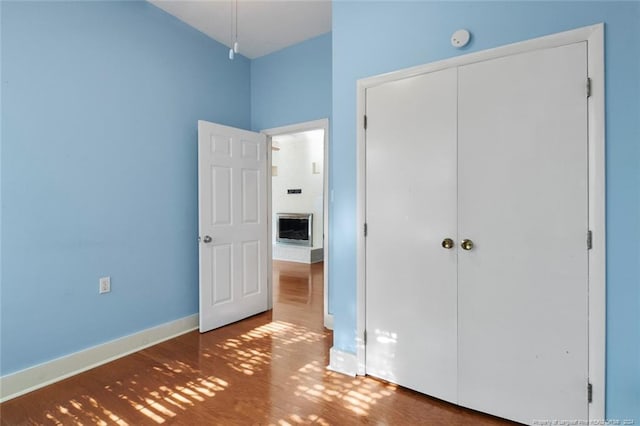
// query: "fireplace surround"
[[294, 229]]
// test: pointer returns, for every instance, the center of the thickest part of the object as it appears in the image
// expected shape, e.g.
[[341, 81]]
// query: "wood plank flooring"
[[268, 369]]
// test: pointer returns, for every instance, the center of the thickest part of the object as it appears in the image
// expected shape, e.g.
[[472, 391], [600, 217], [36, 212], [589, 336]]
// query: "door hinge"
[[588, 87], [366, 229], [365, 122], [364, 337], [589, 392], [589, 240]]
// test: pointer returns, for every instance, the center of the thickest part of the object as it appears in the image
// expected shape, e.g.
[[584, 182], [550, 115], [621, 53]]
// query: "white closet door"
[[522, 335], [410, 209]]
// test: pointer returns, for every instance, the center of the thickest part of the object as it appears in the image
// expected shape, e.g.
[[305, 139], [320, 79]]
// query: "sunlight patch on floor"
[[266, 347], [358, 395], [240, 352], [112, 416], [295, 419], [158, 405]]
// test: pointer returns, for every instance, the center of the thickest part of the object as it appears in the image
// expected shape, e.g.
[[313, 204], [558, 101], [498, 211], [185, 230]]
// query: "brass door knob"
[[447, 243], [466, 244]]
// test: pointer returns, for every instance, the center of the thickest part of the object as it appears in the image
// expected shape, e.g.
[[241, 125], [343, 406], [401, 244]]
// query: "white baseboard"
[[317, 255], [328, 321], [342, 362], [298, 254], [32, 378]]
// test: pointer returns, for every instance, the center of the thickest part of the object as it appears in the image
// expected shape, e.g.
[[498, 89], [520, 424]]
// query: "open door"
[[232, 221]]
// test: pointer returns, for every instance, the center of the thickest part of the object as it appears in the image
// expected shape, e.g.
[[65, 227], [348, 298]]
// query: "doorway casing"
[[322, 124]]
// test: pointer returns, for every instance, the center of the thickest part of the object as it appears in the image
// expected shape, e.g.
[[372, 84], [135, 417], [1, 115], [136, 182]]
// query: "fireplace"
[[294, 228]]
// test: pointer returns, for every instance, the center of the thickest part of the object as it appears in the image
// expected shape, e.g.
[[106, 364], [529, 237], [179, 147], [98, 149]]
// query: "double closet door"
[[477, 218]]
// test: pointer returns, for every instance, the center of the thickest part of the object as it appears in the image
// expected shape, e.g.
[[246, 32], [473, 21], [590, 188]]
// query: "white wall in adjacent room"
[[293, 168]]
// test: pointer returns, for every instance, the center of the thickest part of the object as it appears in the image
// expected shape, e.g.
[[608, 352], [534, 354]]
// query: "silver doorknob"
[[207, 239], [466, 244]]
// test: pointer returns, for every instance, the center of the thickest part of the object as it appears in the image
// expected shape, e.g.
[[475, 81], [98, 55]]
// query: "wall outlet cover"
[[105, 285]]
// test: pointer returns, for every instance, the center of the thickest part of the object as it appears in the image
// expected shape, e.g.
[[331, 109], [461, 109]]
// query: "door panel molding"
[[594, 36]]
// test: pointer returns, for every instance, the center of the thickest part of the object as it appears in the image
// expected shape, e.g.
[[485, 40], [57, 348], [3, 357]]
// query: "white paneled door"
[[522, 146], [232, 198], [411, 209], [476, 234]]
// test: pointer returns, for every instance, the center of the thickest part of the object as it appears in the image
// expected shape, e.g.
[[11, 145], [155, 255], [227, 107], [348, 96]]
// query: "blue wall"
[[100, 102], [292, 85], [98, 155], [418, 32]]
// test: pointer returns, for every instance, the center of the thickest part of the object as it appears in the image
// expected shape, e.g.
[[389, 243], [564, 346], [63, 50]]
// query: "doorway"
[[298, 158]]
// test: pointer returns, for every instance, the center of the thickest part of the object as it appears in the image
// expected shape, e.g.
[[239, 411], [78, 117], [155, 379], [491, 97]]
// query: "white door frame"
[[594, 36], [297, 128]]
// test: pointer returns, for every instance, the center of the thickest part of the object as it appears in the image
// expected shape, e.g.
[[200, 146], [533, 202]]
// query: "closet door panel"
[[410, 209], [522, 335]]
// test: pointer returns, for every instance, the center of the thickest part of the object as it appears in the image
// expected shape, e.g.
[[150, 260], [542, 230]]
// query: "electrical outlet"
[[105, 285]]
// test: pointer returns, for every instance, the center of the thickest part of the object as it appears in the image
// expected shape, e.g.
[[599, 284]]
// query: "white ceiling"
[[264, 26]]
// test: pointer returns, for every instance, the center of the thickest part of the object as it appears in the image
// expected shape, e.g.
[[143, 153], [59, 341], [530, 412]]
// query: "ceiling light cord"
[[235, 43], [234, 34]]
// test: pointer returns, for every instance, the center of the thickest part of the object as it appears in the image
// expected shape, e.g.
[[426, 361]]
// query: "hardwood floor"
[[268, 369]]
